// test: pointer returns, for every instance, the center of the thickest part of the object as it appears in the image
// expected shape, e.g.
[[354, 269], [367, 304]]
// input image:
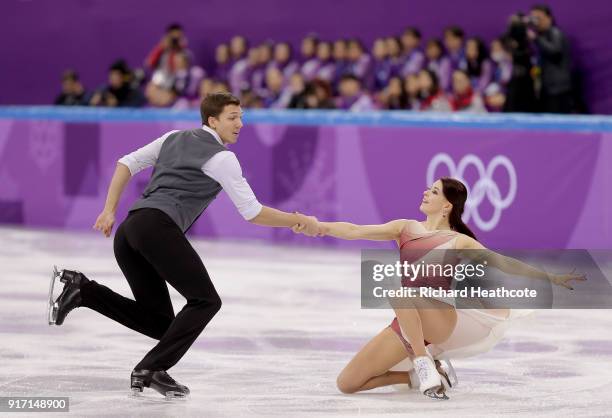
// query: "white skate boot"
[[430, 382]]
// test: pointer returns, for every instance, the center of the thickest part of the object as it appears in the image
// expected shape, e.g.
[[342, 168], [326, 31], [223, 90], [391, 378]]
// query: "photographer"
[[172, 43], [554, 61], [520, 94], [120, 91]]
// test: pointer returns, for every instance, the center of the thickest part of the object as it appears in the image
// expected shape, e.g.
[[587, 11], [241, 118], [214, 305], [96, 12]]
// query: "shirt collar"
[[213, 133]]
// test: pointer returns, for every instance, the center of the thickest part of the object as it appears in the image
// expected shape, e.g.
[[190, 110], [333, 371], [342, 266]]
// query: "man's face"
[[115, 79], [228, 124], [542, 21]]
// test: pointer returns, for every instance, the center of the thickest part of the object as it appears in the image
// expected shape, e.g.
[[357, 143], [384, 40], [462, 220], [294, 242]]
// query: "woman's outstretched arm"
[[344, 230], [511, 265]]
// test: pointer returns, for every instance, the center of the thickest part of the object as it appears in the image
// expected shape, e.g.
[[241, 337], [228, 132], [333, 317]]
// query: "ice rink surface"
[[290, 321]]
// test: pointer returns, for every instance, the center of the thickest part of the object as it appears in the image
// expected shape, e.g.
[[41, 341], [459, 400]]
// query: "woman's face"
[[281, 52], [471, 49], [379, 49], [461, 82], [354, 51], [222, 54], [393, 47], [324, 51], [411, 84], [308, 47], [434, 201], [395, 86], [265, 54], [238, 46], [206, 87], [433, 52], [425, 82], [339, 50]]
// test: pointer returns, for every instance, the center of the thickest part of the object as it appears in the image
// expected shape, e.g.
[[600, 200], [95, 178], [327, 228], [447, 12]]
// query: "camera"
[[175, 42]]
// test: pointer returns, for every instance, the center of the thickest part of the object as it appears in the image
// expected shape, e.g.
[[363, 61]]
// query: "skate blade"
[[437, 393], [52, 307], [153, 396], [176, 396]]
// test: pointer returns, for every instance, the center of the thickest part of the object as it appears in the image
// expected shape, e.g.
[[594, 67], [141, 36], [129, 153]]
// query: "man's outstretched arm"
[[277, 218]]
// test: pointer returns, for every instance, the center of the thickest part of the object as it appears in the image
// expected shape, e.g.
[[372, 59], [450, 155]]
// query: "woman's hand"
[[565, 279]]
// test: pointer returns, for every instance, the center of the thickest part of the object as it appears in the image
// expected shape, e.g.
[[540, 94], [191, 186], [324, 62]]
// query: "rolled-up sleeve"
[[144, 157], [224, 168]]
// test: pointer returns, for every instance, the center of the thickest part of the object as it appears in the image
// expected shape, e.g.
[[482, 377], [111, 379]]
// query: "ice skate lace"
[[423, 371]]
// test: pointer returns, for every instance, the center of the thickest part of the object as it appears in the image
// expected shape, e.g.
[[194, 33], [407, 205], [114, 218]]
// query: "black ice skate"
[[159, 381], [70, 297]]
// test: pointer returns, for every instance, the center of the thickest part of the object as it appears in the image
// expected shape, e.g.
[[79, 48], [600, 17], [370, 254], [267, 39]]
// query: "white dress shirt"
[[223, 167]]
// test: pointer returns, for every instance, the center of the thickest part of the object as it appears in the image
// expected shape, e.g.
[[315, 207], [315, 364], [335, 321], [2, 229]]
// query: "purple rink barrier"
[[536, 182]]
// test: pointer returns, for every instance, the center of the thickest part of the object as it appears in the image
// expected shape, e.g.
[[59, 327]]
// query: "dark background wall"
[[40, 38]]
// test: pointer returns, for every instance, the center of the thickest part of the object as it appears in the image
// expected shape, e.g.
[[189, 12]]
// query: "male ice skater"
[[190, 169]]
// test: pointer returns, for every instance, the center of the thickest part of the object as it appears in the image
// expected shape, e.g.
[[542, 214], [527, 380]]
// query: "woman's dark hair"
[[474, 69], [456, 193], [435, 82]]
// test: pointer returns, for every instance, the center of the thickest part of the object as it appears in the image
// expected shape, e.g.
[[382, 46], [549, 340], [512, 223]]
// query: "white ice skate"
[[430, 382]]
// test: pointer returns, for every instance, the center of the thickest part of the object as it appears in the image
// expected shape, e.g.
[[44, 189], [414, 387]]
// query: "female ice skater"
[[190, 169], [447, 332]]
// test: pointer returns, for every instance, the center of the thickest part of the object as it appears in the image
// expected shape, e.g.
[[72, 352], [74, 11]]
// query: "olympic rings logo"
[[484, 186]]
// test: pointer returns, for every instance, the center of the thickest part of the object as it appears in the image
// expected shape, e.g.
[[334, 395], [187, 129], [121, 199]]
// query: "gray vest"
[[178, 187]]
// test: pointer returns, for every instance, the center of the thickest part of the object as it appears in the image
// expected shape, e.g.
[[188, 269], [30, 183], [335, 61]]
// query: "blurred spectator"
[[352, 97], [241, 71], [205, 88], [455, 56], [326, 69], [479, 66], [283, 59], [257, 80], [434, 53], [495, 92], [340, 56], [239, 65], [73, 93], [309, 61], [553, 59], [164, 91], [502, 63], [276, 96], [393, 97], [297, 87], [431, 96], [238, 48], [414, 58], [358, 60], [161, 58], [222, 62], [119, 92], [381, 69], [251, 100], [520, 93], [412, 89], [394, 52], [318, 95], [463, 97]]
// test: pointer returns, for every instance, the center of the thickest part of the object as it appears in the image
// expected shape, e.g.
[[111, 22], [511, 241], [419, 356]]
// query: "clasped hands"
[[309, 225]]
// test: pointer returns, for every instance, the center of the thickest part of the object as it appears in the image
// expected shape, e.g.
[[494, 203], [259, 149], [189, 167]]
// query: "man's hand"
[[309, 225], [105, 223]]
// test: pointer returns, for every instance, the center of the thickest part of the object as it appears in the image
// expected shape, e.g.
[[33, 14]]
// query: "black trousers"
[[152, 250]]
